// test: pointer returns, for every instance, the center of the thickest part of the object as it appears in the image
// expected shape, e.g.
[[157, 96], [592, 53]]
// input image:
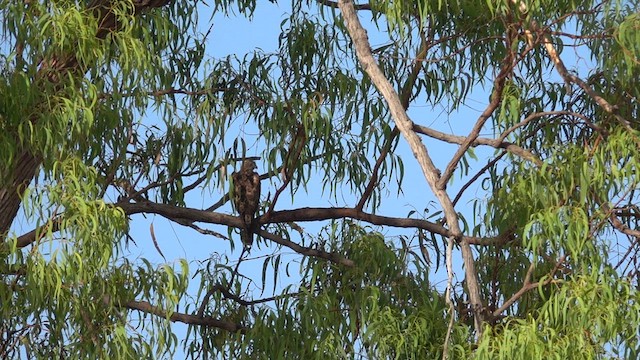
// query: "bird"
[[246, 196]]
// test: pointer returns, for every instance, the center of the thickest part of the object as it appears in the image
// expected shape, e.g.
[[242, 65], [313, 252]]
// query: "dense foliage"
[[517, 237]]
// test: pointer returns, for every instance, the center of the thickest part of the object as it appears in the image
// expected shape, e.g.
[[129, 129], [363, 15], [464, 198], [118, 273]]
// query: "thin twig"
[[447, 296], [477, 175], [528, 285]]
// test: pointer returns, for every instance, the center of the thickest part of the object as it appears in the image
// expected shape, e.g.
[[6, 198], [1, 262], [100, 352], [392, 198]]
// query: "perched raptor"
[[246, 195]]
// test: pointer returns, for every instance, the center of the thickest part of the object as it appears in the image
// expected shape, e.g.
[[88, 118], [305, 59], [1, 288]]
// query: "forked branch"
[[405, 125]]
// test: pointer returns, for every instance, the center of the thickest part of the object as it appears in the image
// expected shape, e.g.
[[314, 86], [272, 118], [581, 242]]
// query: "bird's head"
[[249, 165]]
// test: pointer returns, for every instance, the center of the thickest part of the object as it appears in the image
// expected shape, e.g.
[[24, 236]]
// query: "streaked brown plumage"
[[246, 196]]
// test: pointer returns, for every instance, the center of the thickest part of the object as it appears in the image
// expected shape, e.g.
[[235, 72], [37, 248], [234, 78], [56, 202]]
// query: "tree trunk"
[[20, 176], [11, 194]]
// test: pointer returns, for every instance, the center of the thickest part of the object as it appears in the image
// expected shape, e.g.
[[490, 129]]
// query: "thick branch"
[[173, 212], [187, 216], [317, 214], [23, 172], [35, 234], [405, 125]]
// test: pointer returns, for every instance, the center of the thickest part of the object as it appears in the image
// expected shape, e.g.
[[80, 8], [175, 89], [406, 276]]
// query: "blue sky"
[[239, 36], [262, 32]]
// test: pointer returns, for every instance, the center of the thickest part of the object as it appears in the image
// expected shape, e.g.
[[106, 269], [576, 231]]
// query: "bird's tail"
[[246, 237]]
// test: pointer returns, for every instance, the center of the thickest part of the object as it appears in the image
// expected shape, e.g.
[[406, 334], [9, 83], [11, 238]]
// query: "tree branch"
[[171, 212], [405, 99], [187, 217], [496, 143], [405, 125], [228, 295], [333, 257], [373, 181], [477, 175], [564, 73], [146, 307], [27, 163], [496, 99], [528, 285]]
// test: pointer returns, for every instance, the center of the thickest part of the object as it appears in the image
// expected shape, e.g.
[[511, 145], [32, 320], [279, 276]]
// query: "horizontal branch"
[[496, 143], [32, 236], [318, 214], [172, 212], [146, 307], [189, 215]]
